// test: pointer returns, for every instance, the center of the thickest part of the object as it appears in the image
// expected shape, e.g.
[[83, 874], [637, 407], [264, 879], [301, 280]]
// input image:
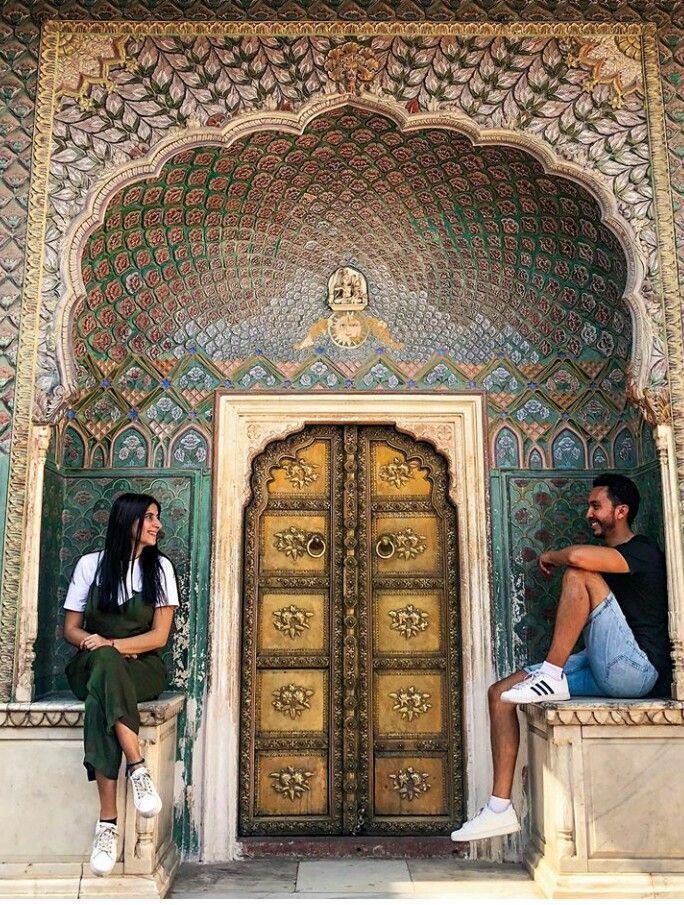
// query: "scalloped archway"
[[486, 237]]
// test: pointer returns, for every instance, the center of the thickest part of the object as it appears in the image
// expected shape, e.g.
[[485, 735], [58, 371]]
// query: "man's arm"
[[583, 556]]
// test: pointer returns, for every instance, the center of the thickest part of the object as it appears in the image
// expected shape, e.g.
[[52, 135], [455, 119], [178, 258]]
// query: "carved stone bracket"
[[653, 402], [610, 713]]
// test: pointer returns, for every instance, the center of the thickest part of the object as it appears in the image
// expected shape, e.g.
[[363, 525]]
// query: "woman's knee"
[[106, 658]]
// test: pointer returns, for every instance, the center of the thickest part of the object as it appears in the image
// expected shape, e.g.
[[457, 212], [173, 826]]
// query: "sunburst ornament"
[[348, 327]]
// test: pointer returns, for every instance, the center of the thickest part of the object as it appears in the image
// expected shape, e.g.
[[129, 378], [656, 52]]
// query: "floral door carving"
[[351, 701]]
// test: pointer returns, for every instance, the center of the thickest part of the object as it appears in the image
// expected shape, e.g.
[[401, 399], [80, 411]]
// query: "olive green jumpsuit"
[[112, 685]]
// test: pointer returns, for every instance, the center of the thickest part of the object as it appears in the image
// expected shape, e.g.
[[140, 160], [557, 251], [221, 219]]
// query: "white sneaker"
[[145, 798], [486, 823], [103, 855], [537, 688]]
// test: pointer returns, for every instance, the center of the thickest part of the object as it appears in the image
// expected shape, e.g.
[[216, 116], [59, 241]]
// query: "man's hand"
[[546, 564]]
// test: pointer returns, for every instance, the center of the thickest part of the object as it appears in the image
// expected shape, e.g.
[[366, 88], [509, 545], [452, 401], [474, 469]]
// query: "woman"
[[119, 609]]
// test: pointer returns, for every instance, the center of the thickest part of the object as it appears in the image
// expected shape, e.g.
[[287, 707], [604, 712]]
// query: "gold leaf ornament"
[[292, 782], [410, 703], [409, 621], [291, 620], [409, 783], [292, 700], [351, 65]]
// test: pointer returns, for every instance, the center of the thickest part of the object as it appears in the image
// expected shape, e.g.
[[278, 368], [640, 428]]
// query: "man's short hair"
[[620, 489]]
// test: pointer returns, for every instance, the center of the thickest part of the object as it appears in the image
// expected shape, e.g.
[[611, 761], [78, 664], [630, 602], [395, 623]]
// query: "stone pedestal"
[[606, 797], [49, 809]]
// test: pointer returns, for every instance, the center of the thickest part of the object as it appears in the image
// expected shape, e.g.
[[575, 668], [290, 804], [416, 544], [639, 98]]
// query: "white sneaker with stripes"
[[537, 688]]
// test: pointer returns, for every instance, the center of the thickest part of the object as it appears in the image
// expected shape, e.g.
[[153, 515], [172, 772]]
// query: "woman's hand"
[[92, 642]]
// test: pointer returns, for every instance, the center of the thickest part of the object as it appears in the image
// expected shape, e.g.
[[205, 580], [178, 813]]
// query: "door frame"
[[244, 424]]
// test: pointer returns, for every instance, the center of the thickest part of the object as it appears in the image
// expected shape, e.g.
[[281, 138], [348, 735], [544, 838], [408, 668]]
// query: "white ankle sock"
[[498, 805], [553, 672]]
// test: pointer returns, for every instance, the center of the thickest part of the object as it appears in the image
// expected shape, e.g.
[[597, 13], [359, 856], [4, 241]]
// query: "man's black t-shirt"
[[642, 595]]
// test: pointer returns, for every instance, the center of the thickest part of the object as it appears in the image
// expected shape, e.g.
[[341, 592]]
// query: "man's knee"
[[582, 576], [494, 692], [592, 582]]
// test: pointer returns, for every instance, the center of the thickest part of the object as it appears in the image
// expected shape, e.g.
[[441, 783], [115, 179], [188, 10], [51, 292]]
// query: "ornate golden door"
[[351, 700]]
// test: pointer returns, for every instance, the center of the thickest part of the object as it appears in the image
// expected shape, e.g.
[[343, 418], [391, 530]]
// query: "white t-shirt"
[[84, 575]]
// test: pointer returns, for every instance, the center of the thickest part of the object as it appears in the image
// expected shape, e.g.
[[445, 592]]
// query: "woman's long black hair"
[[116, 562]]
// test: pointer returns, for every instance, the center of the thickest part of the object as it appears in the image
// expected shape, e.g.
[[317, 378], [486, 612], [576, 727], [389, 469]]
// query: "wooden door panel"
[[408, 623], [293, 622], [292, 783], [413, 782], [294, 542], [306, 473], [350, 719], [292, 701], [290, 747], [411, 787], [396, 475], [408, 704], [406, 544]]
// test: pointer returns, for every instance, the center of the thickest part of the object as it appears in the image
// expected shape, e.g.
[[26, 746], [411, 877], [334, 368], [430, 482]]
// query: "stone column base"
[[50, 810], [606, 800]]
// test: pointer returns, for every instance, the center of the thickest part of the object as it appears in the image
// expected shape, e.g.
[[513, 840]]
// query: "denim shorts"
[[612, 663]]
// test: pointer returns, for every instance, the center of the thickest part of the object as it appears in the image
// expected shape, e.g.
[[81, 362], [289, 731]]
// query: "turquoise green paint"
[[54, 578]]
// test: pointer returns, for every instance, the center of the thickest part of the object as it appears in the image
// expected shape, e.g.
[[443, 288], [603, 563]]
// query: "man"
[[616, 596]]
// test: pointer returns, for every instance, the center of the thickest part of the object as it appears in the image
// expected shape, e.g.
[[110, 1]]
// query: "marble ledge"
[[608, 712], [65, 711]]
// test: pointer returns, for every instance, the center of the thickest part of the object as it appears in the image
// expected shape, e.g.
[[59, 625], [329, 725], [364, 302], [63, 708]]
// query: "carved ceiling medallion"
[[291, 621], [410, 703], [291, 782], [409, 621], [409, 783], [292, 700]]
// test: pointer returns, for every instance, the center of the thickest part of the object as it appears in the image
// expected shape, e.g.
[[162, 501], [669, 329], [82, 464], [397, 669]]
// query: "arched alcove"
[[487, 272]]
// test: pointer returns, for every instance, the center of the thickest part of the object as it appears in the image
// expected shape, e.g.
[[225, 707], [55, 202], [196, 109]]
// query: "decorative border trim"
[[608, 713], [538, 29], [18, 489], [70, 714], [667, 243]]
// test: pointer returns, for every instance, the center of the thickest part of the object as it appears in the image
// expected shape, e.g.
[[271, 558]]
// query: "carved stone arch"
[[143, 433], [178, 437], [296, 124], [505, 429], [62, 443], [566, 429]]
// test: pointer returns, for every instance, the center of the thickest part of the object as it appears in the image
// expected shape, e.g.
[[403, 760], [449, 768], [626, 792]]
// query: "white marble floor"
[[346, 878]]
